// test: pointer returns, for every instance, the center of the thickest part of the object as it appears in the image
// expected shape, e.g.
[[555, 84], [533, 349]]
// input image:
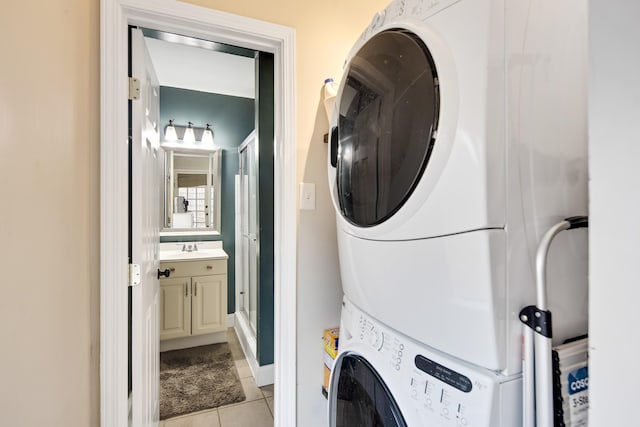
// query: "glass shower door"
[[249, 231]]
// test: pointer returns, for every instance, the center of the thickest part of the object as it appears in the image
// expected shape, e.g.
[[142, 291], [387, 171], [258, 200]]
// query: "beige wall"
[[49, 251], [49, 213], [325, 32]]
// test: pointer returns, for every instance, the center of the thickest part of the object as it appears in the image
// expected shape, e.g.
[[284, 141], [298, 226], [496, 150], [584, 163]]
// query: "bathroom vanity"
[[193, 299]]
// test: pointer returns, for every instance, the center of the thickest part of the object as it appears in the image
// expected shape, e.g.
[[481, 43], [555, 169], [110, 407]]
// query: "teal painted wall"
[[265, 132], [232, 119]]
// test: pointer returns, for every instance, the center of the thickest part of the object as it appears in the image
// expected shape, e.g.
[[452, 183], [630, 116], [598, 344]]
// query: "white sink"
[[206, 250]]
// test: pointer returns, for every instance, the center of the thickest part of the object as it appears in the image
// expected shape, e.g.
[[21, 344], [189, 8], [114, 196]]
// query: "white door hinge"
[[134, 274], [134, 88]]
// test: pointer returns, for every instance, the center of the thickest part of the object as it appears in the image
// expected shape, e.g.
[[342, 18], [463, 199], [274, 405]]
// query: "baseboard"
[[265, 375], [231, 320], [198, 340]]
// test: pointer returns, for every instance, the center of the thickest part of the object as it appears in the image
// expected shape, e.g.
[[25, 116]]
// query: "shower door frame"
[[241, 290]]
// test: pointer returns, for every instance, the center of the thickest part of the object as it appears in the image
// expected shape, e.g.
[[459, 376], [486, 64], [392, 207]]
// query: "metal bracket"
[[134, 89], [134, 274], [577, 222], [536, 319]]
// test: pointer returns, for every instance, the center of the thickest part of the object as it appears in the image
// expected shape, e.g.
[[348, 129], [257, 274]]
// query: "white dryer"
[[458, 137], [383, 378]]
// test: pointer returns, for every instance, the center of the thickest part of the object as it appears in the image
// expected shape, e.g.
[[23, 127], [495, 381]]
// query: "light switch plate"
[[307, 196]]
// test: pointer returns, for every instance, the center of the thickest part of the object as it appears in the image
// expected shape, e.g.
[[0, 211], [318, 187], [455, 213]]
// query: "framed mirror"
[[191, 192]]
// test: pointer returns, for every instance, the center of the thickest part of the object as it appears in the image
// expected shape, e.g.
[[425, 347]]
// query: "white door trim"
[[190, 20]]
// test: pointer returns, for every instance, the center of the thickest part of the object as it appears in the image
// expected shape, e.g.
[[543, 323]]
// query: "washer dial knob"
[[374, 337]]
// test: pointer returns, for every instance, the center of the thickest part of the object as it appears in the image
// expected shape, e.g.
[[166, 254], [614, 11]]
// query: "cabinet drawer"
[[195, 268]]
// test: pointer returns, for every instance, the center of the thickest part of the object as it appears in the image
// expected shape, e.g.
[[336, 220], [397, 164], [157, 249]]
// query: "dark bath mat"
[[198, 378]]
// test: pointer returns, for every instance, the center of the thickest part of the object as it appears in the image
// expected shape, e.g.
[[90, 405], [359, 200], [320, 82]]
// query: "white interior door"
[[146, 178]]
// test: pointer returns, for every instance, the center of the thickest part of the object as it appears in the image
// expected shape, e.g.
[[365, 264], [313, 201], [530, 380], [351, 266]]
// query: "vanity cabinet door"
[[209, 304], [175, 308]]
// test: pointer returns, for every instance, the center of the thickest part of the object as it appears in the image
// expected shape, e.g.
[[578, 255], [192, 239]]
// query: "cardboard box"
[[327, 376], [328, 360], [331, 338]]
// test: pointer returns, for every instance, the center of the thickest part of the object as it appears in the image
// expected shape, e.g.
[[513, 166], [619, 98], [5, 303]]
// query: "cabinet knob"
[[209, 267]]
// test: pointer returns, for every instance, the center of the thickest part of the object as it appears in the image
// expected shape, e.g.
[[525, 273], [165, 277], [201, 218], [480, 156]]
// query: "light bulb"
[[189, 136], [170, 132], [207, 135]]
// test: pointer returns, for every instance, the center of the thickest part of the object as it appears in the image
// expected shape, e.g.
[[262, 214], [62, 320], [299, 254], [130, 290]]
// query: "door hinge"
[[134, 88], [134, 274]]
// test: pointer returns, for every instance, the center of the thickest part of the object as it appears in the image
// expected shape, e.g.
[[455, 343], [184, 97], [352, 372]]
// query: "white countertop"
[[206, 250]]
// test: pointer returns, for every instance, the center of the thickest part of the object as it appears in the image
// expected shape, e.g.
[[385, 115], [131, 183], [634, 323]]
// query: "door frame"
[[209, 24]]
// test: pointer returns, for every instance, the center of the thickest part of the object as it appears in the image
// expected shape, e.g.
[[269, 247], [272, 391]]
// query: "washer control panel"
[[429, 387], [384, 342], [440, 399]]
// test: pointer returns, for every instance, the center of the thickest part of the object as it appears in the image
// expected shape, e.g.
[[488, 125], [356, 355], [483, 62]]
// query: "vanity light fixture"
[[207, 135], [170, 132], [189, 136]]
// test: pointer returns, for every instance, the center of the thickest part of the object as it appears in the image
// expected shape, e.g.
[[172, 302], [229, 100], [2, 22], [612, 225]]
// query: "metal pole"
[[542, 346], [528, 379]]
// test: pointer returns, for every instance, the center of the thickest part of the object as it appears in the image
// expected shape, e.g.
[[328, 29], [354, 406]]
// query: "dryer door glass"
[[362, 398], [388, 114]]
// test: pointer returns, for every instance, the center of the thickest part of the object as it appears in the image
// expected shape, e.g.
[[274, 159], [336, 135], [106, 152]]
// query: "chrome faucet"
[[190, 247]]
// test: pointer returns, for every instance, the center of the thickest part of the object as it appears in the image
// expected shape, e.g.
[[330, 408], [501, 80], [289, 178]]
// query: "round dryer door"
[[360, 397], [388, 115]]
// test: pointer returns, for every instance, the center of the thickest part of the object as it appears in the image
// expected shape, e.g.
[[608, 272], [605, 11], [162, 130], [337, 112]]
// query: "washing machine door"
[[387, 119], [359, 396]]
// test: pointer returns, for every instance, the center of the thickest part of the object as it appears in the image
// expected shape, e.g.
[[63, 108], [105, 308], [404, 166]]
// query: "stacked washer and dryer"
[[458, 138]]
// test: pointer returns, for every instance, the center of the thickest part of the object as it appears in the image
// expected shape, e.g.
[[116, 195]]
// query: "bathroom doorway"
[[206, 24], [225, 90]]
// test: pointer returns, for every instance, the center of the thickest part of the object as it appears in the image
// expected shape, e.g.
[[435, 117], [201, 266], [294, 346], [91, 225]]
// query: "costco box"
[[330, 340]]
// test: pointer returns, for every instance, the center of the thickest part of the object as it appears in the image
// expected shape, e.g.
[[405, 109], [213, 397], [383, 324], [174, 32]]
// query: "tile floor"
[[255, 411]]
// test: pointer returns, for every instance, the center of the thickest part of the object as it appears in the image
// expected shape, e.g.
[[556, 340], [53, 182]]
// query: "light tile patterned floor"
[[255, 411]]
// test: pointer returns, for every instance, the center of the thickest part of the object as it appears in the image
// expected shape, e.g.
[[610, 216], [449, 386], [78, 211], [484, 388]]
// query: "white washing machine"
[[458, 138], [383, 378]]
